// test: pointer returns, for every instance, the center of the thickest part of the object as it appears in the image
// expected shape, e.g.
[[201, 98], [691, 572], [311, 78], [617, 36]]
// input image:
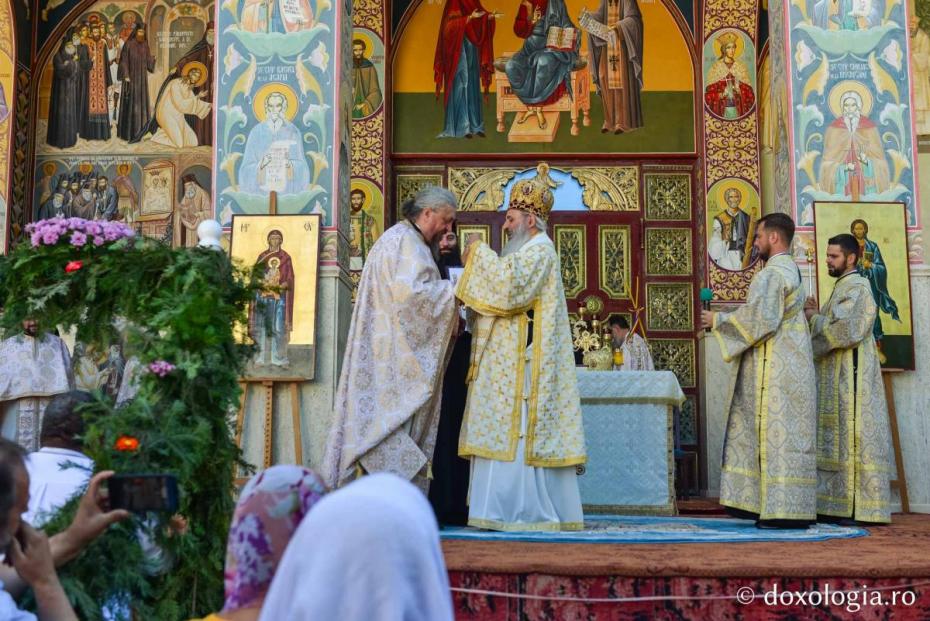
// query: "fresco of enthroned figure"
[[540, 72]]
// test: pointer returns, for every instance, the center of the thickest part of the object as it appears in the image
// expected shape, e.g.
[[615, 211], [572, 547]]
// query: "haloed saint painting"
[[125, 117], [564, 76], [883, 261], [282, 316]]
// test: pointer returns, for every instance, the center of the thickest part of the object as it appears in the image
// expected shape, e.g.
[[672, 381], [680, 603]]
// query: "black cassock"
[[448, 491], [135, 63], [68, 104]]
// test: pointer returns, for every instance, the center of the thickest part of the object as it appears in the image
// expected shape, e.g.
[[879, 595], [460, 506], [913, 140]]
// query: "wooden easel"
[[268, 385], [899, 483]]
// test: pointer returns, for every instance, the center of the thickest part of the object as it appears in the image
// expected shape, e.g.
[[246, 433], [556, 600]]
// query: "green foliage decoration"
[[179, 306]]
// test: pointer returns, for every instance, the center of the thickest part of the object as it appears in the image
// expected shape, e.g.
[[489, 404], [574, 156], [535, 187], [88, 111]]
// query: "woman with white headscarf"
[[368, 552]]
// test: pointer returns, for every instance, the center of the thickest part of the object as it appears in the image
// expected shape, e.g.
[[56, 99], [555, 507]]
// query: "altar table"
[[628, 422]]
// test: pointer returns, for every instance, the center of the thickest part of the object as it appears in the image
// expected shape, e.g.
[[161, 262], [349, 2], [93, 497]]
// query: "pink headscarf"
[[270, 509]]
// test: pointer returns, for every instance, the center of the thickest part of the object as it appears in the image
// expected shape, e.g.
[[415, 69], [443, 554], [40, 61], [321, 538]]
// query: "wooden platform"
[[901, 549], [515, 581]]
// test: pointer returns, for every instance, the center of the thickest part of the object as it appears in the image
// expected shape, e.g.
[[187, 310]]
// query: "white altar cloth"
[[628, 429]]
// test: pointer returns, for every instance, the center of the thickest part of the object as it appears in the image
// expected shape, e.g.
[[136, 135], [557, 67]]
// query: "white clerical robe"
[[177, 100], [636, 354], [387, 402], [32, 371], [522, 425], [769, 452], [56, 475], [853, 434]]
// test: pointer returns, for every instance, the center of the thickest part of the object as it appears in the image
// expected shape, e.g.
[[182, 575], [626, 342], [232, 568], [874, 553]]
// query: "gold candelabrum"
[[593, 338]]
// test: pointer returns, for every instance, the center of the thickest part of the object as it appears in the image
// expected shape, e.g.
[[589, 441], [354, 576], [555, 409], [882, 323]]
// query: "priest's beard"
[[518, 239]]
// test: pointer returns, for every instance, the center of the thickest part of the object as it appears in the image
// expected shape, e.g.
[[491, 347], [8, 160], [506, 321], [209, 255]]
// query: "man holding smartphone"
[[31, 563]]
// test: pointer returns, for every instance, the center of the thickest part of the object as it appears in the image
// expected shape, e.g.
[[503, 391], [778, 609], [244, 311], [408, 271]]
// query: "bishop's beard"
[[517, 240]]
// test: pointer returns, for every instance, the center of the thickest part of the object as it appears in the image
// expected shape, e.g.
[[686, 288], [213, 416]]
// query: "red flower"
[[73, 266], [127, 444]]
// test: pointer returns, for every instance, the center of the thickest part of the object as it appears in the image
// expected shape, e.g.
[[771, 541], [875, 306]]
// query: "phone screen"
[[140, 493]]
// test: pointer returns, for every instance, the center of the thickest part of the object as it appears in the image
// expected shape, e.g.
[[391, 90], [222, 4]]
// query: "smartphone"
[[141, 493]]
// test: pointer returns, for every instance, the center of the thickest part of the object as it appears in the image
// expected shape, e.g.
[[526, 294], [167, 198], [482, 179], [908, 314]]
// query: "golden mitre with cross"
[[534, 195]]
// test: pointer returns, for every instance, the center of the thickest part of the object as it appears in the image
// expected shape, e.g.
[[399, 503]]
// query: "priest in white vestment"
[[853, 431], [405, 314], [33, 369], [769, 468], [636, 354], [522, 427]]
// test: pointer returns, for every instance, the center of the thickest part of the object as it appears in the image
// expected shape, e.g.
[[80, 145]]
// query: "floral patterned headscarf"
[[269, 510]]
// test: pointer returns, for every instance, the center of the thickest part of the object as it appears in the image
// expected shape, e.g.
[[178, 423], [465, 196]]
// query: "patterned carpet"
[[531, 581], [638, 529]]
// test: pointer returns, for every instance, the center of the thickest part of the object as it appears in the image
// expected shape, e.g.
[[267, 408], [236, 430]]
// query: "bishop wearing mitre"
[[522, 428]]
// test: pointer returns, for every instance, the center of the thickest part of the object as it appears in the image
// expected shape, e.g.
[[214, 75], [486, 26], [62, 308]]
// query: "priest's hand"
[[810, 307], [707, 319]]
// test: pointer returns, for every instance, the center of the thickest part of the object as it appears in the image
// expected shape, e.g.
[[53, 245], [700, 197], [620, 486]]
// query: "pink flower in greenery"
[[161, 368]]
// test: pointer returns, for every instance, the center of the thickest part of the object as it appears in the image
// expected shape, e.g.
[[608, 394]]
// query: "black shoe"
[[741, 514]]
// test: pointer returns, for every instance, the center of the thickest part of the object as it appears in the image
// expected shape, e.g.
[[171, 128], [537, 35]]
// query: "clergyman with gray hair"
[[404, 320]]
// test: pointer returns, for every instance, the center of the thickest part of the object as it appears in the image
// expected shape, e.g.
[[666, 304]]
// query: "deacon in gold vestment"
[[769, 458], [387, 402], [853, 433], [522, 427]]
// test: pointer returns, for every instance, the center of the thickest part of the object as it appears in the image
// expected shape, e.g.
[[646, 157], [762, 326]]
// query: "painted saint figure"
[[463, 65], [540, 72], [176, 100], [730, 244], [69, 80], [96, 124], [127, 201], [617, 64], [365, 88], [729, 93], [872, 267], [847, 14], [271, 316], [193, 209], [274, 158], [853, 155], [105, 200], [135, 63], [920, 64], [362, 228], [276, 16], [54, 207], [114, 47], [202, 53]]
